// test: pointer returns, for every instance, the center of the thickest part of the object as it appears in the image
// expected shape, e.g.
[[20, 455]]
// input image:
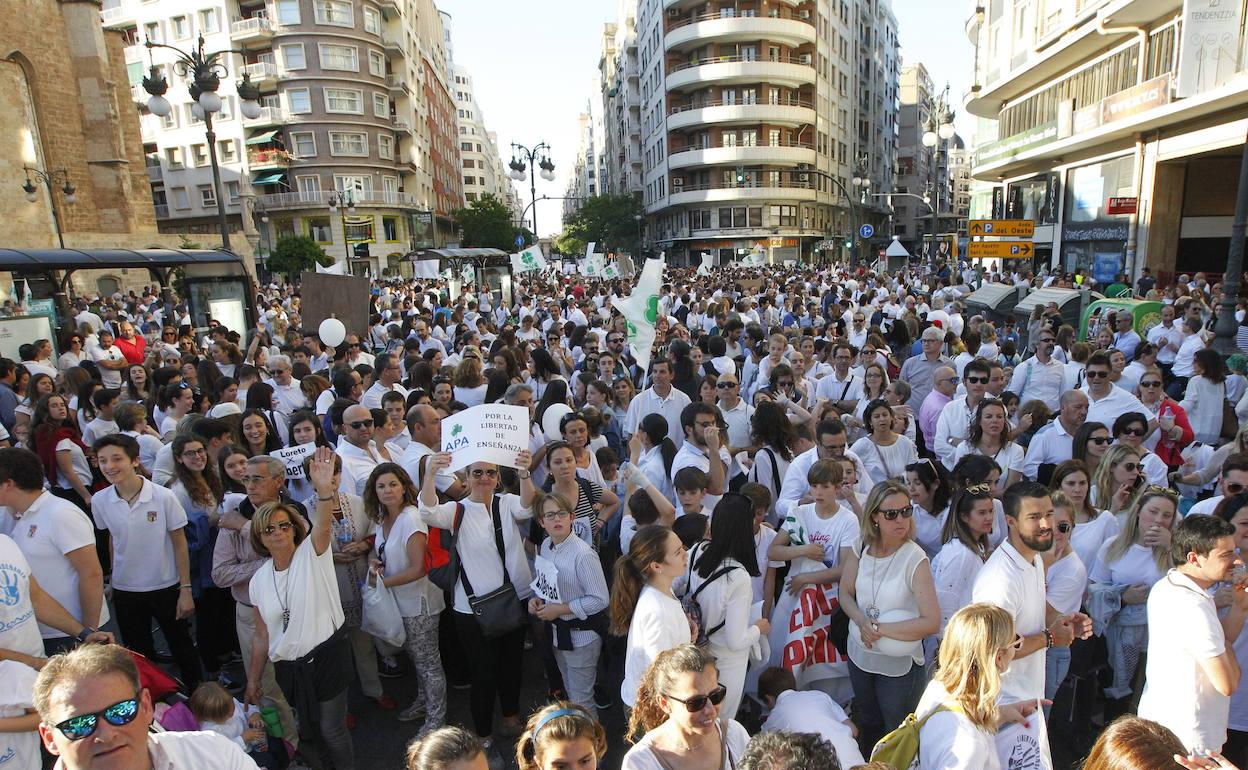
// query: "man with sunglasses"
[[95, 713], [954, 423], [1105, 400], [1234, 480], [735, 411], [356, 354], [355, 447], [1041, 377]]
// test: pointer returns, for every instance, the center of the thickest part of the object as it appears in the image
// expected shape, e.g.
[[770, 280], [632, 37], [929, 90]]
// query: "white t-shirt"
[[813, 711], [762, 541], [18, 630], [1183, 629], [948, 740], [954, 571], [1017, 586], [642, 757], [142, 548], [477, 549], [1089, 536], [110, 378], [1136, 567], [885, 462], [308, 589], [419, 597], [98, 428], [1066, 580], [78, 459], [929, 530], [50, 529], [193, 750], [838, 531], [325, 401], [18, 751], [659, 623], [890, 587]]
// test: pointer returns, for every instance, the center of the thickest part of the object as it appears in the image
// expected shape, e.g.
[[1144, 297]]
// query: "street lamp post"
[[48, 179], [536, 159], [204, 70], [861, 181], [938, 128], [638, 218], [342, 203]]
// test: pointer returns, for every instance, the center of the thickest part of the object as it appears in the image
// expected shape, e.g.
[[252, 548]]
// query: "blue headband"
[[555, 715]]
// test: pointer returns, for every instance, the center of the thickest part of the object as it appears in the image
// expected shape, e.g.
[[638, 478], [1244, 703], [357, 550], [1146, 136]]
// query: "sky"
[[533, 64]]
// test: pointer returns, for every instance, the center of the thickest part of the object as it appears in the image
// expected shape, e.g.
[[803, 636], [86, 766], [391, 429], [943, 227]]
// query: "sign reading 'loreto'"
[[492, 433]]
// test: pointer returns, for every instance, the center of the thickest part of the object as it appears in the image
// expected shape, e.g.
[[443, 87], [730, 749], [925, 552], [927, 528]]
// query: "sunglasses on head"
[[891, 514], [119, 714], [696, 703]]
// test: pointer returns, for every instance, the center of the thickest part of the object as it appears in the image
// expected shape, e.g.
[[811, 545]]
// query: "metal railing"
[[260, 70], [252, 26], [268, 114], [396, 80], [162, 210], [790, 102], [317, 198], [799, 60], [797, 145], [786, 184], [155, 173], [701, 17]]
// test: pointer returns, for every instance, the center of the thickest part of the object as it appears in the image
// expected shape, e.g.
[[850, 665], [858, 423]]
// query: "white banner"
[[492, 433], [528, 261], [1209, 54], [708, 262], [338, 268], [641, 310], [292, 457], [545, 583]]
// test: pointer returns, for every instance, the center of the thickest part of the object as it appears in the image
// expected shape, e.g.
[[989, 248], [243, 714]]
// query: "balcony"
[[255, 32], [790, 72], [389, 7], [262, 159], [392, 45], [139, 95], [710, 28], [162, 210], [402, 127], [779, 155], [318, 199], [155, 173], [263, 74], [789, 114], [718, 192], [397, 83], [269, 116], [119, 16]]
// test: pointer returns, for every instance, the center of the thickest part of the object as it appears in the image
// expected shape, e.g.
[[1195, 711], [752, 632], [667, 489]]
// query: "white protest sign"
[[292, 457], [545, 583], [492, 433]]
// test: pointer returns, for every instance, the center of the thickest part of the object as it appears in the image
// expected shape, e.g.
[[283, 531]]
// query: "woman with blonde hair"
[[1117, 480], [889, 595], [959, 711], [469, 381], [677, 709], [559, 736]]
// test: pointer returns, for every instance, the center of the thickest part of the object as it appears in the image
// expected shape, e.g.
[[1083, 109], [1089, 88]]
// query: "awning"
[[270, 178], [263, 138]]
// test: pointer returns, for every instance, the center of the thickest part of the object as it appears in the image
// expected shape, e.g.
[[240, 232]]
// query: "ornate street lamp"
[[519, 153], [48, 179]]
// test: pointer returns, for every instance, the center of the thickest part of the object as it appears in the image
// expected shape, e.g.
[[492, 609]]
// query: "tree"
[[296, 253], [569, 245], [486, 224], [608, 220]]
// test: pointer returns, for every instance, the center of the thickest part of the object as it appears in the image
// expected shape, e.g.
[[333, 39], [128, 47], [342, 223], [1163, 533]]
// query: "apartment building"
[[1116, 125], [620, 76], [930, 172], [589, 170], [756, 116], [355, 144], [483, 170]]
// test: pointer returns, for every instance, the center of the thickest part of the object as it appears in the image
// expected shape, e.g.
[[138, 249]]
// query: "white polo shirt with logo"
[[18, 630], [142, 549], [1010, 582]]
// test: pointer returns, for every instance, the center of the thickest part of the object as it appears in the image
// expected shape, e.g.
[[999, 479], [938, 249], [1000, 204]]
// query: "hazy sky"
[[533, 64]]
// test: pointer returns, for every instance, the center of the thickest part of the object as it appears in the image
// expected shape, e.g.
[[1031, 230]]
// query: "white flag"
[[467, 274], [610, 271], [528, 261], [25, 304], [338, 268], [708, 261], [641, 310]]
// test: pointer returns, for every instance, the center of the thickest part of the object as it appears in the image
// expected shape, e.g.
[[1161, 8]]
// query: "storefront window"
[[1091, 238], [1036, 199]]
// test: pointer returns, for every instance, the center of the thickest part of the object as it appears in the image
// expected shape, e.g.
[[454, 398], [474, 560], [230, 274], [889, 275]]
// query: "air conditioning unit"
[[678, 183], [673, 13]]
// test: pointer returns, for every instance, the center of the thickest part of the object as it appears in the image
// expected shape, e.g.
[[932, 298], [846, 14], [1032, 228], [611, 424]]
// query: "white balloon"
[[550, 420], [332, 332]]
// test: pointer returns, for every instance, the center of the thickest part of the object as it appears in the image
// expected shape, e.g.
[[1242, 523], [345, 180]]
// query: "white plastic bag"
[[381, 615]]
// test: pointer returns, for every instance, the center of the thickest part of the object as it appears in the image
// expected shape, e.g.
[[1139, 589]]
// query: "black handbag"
[[498, 612]]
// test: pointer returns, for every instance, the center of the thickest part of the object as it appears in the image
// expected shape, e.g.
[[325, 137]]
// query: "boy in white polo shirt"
[[1192, 669], [151, 566]]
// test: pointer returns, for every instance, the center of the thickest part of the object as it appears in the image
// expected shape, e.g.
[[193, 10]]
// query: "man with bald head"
[[425, 427], [359, 454], [1053, 443], [944, 385]]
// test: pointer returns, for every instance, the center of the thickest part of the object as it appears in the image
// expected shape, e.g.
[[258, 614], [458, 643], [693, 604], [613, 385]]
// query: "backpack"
[[441, 564], [693, 610], [900, 748]]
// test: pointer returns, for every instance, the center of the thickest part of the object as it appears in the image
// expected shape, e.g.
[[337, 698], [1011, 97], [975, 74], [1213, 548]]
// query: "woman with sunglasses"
[[488, 561], [979, 645], [989, 436], [1122, 577], [390, 503], [1093, 527], [889, 595], [884, 453], [74, 353], [1117, 480], [967, 546], [678, 716], [1130, 430], [299, 622], [1089, 444], [1174, 430]]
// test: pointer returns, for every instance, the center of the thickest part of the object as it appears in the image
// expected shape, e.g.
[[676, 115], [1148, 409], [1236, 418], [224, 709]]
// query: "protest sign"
[[545, 583], [292, 457], [492, 433]]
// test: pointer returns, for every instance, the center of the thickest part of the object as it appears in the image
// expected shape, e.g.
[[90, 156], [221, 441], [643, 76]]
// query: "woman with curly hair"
[[55, 438]]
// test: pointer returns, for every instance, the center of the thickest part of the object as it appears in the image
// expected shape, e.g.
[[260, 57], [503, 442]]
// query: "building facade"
[[755, 120], [937, 173], [355, 144], [589, 169], [620, 76], [1118, 127], [484, 172]]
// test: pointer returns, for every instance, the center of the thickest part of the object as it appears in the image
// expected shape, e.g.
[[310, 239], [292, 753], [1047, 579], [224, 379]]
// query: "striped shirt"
[[582, 585]]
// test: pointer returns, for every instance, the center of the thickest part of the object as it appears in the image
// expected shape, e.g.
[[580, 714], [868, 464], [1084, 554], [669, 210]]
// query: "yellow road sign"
[[1010, 228], [999, 250]]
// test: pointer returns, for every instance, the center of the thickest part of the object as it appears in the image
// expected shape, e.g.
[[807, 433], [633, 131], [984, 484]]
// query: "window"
[[170, 120], [700, 220], [300, 100], [372, 21], [231, 193], [465, 146], [311, 185], [469, 180], [344, 100], [381, 105], [288, 12], [292, 55], [180, 199], [360, 232], [340, 57], [209, 22], [377, 64], [180, 26], [207, 196], [390, 228], [191, 118], [470, 163], [151, 31], [361, 185], [303, 144], [318, 229], [348, 143], [385, 147], [784, 216], [339, 13], [226, 150], [173, 157]]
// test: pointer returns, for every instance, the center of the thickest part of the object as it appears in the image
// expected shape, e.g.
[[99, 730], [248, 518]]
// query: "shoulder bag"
[[1230, 420], [498, 612]]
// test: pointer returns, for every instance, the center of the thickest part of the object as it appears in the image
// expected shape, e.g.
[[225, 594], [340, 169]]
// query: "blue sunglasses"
[[83, 725]]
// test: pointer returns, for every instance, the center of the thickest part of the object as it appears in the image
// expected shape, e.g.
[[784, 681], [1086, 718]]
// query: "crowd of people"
[[825, 501]]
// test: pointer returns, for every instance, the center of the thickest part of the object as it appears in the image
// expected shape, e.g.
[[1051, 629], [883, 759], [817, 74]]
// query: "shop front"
[[1093, 238]]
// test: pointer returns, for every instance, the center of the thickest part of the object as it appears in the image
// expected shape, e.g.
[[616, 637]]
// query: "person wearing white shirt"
[[1191, 669], [1184, 359], [110, 360], [288, 395], [1054, 443], [1168, 337], [660, 398], [831, 443], [355, 446], [841, 387], [151, 577], [1106, 402], [734, 410], [389, 372], [807, 711], [702, 450], [954, 423], [1041, 377]]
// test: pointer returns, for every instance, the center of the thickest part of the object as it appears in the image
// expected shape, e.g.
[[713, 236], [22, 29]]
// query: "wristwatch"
[[82, 635], [526, 475]]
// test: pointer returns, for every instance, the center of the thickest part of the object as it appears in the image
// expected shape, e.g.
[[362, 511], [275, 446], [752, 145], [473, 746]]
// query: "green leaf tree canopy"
[[608, 220], [297, 253], [487, 224]]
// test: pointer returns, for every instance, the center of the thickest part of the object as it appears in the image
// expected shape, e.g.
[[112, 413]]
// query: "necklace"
[[282, 601], [873, 610], [130, 500]]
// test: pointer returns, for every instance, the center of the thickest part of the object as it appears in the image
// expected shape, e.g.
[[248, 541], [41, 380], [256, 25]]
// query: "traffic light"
[[849, 242], [740, 176]]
